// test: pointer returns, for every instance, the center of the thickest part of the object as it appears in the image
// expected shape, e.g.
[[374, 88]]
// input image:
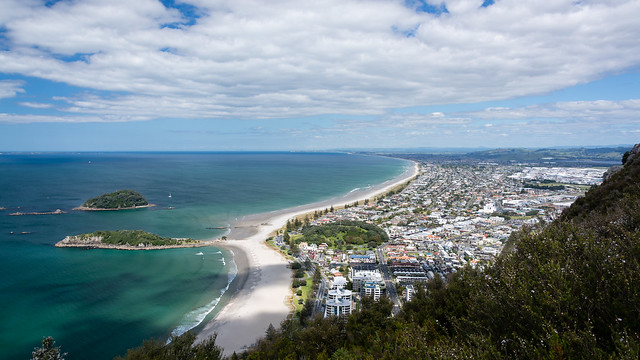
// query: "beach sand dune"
[[263, 281]]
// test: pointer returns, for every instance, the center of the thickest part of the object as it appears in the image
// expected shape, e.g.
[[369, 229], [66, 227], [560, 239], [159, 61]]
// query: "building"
[[339, 303], [372, 289], [409, 291], [339, 282], [361, 274]]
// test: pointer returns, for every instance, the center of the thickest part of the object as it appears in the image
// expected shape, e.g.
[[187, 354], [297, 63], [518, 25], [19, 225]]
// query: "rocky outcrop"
[[628, 157]]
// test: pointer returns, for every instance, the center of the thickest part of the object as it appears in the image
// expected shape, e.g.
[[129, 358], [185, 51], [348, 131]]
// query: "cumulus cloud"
[[599, 122], [291, 58], [9, 88], [622, 111], [36, 105]]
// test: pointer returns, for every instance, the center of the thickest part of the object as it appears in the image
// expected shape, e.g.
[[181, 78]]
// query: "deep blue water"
[[98, 303]]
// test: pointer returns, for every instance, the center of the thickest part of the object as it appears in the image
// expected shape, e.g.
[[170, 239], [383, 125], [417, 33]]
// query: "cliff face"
[[628, 157], [614, 197]]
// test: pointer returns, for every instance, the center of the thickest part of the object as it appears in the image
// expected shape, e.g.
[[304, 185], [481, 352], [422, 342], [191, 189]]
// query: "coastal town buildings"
[[450, 216], [339, 300]]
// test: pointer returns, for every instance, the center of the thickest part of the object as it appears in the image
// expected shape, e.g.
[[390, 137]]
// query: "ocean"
[[98, 303]]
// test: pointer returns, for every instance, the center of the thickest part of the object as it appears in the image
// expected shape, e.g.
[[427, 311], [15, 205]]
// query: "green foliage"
[[298, 283], [117, 200], [135, 238], [48, 351], [543, 186], [300, 273], [179, 348], [345, 232]]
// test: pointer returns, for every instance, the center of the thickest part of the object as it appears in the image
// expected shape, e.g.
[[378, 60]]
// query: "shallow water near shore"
[[98, 303]]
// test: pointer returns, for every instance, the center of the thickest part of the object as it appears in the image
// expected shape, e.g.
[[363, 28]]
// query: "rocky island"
[[126, 240], [117, 200]]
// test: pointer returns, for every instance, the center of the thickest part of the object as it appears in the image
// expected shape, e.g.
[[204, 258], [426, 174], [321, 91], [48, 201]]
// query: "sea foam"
[[197, 316]]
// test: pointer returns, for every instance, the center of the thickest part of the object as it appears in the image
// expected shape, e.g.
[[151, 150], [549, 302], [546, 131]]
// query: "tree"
[[625, 157], [48, 351], [317, 276], [179, 348], [271, 333]]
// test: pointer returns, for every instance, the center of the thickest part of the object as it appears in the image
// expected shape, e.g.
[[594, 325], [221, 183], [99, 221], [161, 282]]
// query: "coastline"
[[263, 283]]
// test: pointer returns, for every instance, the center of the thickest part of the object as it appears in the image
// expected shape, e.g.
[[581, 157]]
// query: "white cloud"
[[605, 111], [36, 105], [291, 58], [27, 119], [9, 88]]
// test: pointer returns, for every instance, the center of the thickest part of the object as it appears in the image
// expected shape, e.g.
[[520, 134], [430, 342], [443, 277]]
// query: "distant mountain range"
[[583, 156]]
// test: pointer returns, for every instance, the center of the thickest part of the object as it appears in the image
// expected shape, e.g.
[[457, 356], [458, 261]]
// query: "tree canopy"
[[348, 232], [117, 200]]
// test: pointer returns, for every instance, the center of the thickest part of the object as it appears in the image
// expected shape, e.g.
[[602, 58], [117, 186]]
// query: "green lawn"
[[306, 292]]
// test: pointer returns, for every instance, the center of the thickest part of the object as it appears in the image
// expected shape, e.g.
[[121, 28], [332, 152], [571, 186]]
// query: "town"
[[448, 217]]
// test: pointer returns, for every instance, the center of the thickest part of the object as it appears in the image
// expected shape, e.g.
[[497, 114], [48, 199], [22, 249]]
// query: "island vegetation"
[[125, 239], [117, 200]]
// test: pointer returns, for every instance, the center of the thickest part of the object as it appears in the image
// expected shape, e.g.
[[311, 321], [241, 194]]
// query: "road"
[[388, 281]]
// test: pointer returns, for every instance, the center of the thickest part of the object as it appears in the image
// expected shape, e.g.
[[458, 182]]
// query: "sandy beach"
[[263, 283]]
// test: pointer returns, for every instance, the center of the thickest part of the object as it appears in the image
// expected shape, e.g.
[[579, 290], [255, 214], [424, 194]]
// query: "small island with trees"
[[117, 200], [126, 240]]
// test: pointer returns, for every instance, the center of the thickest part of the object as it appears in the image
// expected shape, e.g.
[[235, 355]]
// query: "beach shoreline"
[[263, 284]]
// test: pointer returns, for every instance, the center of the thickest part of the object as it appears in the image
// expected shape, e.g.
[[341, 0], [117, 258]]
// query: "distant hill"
[[121, 199], [606, 156]]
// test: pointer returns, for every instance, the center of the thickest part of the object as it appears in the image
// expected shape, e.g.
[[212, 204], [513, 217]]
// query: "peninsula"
[[117, 200], [126, 240]]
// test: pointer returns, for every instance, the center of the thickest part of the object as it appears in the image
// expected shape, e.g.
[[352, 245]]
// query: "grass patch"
[[306, 293]]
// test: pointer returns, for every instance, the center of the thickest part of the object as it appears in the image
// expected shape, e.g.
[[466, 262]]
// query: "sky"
[[234, 75]]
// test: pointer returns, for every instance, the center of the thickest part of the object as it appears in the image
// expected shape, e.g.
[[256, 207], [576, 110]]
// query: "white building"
[[339, 303], [409, 291], [373, 289], [339, 282]]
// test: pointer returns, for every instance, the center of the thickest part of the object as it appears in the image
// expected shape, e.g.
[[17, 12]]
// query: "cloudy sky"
[[312, 75]]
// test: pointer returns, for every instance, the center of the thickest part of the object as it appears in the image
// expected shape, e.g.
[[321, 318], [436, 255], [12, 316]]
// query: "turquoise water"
[[98, 303]]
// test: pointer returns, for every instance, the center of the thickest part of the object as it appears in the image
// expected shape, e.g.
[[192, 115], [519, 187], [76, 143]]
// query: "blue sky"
[[111, 75]]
